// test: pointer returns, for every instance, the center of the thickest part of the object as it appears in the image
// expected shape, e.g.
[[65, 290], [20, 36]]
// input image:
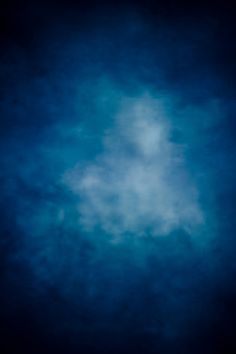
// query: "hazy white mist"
[[139, 184]]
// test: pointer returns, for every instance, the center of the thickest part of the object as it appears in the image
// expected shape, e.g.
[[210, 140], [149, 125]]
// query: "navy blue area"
[[63, 68]]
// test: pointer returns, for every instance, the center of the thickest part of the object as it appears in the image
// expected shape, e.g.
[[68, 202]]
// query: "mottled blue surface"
[[117, 176]]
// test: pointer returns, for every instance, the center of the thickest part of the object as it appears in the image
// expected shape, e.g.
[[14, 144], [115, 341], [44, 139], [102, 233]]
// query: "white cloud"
[[139, 183]]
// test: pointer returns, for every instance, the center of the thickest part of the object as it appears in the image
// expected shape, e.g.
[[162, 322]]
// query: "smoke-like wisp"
[[139, 184]]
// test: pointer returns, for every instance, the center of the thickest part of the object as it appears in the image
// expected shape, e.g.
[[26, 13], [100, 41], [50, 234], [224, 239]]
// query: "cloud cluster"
[[139, 184]]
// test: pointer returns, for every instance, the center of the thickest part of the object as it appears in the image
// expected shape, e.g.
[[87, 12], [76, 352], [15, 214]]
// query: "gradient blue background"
[[63, 68]]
